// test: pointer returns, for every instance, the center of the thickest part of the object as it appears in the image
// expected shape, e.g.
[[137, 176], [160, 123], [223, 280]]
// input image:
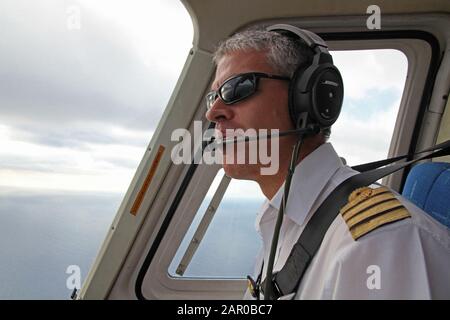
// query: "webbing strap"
[[377, 164]]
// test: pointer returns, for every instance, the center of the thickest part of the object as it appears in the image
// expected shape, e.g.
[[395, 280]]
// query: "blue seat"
[[428, 187]]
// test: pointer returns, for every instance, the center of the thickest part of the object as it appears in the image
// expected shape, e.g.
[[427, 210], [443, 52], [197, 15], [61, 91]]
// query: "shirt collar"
[[310, 177]]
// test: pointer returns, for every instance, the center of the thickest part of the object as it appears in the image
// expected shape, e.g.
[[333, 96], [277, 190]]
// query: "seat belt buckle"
[[253, 287], [288, 296], [277, 294]]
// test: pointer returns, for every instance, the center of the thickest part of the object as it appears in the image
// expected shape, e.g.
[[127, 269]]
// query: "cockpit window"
[[223, 250], [373, 87]]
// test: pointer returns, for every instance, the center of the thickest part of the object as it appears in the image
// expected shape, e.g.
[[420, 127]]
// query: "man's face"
[[267, 108]]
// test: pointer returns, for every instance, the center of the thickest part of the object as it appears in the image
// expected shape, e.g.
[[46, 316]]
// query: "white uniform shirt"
[[407, 259]]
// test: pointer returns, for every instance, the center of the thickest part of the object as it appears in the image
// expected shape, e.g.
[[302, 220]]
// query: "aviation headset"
[[316, 91]]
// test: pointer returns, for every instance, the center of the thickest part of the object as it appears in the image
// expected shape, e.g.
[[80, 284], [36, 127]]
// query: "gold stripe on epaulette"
[[365, 227], [367, 204], [373, 211], [360, 195]]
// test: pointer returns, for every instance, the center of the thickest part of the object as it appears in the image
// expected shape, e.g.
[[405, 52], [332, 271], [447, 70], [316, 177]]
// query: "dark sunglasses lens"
[[237, 88]]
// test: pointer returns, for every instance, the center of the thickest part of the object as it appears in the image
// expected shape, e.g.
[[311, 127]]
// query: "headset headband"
[[310, 38]]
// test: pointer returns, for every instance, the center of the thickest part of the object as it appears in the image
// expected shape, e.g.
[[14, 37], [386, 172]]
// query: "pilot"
[[380, 246]]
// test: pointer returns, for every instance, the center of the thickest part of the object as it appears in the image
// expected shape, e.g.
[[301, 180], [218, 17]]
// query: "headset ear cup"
[[297, 107], [327, 95], [317, 91]]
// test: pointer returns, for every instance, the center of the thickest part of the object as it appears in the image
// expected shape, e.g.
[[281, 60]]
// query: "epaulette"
[[368, 209]]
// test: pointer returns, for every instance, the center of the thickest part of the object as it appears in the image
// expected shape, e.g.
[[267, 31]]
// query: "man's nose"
[[219, 111]]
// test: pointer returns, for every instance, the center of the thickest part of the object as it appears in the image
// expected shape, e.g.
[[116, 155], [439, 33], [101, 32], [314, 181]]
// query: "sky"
[[79, 106], [83, 85]]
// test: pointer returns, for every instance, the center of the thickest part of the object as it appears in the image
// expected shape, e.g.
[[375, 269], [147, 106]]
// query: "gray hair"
[[285, 54]]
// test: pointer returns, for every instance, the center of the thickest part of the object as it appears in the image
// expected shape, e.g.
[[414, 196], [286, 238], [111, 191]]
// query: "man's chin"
[[241, 171]]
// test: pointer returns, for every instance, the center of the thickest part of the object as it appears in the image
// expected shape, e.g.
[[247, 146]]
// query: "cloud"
[[52, 75], [373, 85], [375, 70], [364, 140], [90, 75], [78, 107], [158, 29], [77, 136], [88, 166]]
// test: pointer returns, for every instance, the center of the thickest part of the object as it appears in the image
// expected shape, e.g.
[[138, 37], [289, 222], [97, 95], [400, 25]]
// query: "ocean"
[[43, 233]]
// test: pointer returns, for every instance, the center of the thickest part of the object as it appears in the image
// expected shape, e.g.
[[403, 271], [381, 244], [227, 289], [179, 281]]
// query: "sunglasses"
[[239, 87]]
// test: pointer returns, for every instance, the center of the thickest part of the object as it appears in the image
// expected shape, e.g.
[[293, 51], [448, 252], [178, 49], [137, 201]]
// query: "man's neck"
[[270, 184]]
